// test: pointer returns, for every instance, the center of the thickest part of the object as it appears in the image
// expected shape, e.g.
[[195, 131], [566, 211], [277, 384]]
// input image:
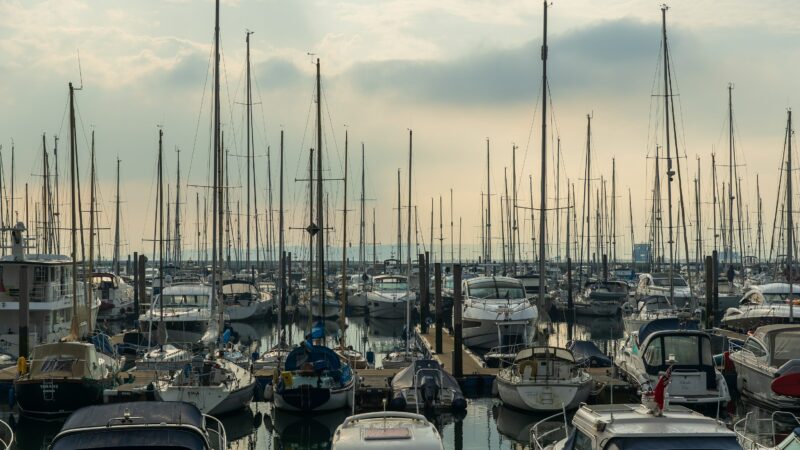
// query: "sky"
[[457, 72]]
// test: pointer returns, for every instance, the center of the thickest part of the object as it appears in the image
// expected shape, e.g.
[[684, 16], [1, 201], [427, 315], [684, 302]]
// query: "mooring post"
[[423, 294], [457, 300], [142, 291], [710, 313], [24, 304], [605, 267], [437, 273], [570, 301], [715, 280]]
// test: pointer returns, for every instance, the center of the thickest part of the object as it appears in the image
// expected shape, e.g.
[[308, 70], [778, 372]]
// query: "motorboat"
[[184, 310], [389, 296], [601, 298], [770, 352], [636, 427], [659, 284], [215, 385], [387, 430], [63, 377], [531, 282], [767, 304], [678, 346], [648, 309], [778, 431], [141, 425], [496, 313], [425, 385], [244, 301], [544, 379], [53, 307], [314, 379], [115, 295]]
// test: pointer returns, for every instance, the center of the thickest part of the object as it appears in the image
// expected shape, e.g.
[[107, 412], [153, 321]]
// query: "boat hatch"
[[381, 434]]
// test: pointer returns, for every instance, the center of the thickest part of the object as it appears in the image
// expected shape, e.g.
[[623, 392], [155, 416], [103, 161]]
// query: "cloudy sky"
[[455, 71]]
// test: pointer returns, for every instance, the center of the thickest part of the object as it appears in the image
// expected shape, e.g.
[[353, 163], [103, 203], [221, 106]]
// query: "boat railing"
[[505, 354], [6, 435], [540, 439], [761, 434], [218, 431]]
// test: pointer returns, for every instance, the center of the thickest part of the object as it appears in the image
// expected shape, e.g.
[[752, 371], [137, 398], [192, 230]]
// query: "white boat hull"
[[387, 306], [543, 396]]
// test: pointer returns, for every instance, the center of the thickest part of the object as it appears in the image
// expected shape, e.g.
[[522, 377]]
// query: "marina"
[[236, 306]]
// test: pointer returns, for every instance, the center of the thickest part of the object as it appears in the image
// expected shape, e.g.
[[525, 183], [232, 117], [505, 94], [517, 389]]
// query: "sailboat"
[[214, 384], [314, 377]]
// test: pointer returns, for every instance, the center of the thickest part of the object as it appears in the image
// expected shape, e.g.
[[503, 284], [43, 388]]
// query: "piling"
[[570, 300], [457, 330], [710, 312], [24, 304], [714, 279], [437, 273], [282, 293], [289, 289], [605, 267], [423, 292], [142, 291]]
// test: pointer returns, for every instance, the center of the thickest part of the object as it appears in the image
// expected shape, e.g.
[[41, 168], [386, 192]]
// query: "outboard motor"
[[429, 391]]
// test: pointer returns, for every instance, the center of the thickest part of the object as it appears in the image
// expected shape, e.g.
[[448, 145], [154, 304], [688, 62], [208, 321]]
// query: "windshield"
[[392, 284], [184, 301], [674, 443], [664, 282], [684, 350], [496, 290], [780, 297], [786, 347]]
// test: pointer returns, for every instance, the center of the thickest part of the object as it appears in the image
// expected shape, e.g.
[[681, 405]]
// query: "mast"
[[441, 232], [116, 226], [362, 232], [320, 212], [513, 210], [249, 119], [344, 248], [177, 234], [311, 230], [714, 200], [614, 210], [729, 252], [399, 222], [216, 241], [282, 265], [670, 172], [73, 150], [558, 200], [92, 176], [699, 214], [543, 194], [633, 242], [586, 222], [759, 225], [374, 241], [789, 218], [408, 244], [533, 229], [161, 226], [45, 185], [488, 255], [452, 235]]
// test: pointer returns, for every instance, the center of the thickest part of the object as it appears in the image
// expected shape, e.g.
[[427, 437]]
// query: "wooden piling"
[[24, 305], [142, 291], [422, 262], [710, 313], [457, 329], [135, 282], [439, 313]]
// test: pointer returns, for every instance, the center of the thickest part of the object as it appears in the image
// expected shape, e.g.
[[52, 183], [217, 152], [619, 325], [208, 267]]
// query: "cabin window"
[[39, 274], [582, 441], [755, 348], [786, 347], [652, 356]]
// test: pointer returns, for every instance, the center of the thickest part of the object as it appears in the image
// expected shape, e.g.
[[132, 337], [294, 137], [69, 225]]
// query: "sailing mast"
[[249, 119], [73, 155], [488, 255], [789, 219], [116, 227], [543, 194], [281, 253], [408, 246], [362, 232], [670, 172], [216, 241], [344, 248], [320, 212], [176, 258], [729, 250], [92, 176]]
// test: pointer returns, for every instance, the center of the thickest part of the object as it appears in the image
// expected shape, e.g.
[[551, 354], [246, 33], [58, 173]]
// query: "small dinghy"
[[425, 385]]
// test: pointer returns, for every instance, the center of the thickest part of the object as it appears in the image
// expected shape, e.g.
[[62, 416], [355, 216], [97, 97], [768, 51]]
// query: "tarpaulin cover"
[[586, 353], [666, 325]]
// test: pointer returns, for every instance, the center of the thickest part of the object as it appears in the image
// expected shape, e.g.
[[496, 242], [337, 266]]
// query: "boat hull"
[[306, 398], [55, 397], [543, 396], [386, 307], [214, 400]]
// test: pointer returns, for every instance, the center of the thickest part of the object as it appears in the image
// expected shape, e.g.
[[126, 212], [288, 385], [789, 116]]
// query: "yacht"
[[779, 431], [766, 304], [386, 430], [187, 310], [601, 298], [62, 377], [637, 427], [244, 301], [141, 425], [52, 307], [425, 385], [115, 295], [496, 313], [389, 296], [544, 379], [648, 309], [770, 352], [658, 284], [314, 379], [670, 343], [215, 385]]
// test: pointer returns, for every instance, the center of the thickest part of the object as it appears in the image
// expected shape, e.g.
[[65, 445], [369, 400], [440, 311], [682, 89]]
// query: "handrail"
[[222, 437], [535, 438], [7, 431], [383, 415], [752, 439]]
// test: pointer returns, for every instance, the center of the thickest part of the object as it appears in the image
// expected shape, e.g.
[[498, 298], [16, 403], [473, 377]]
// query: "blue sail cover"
[[666, 325], [320, 356]]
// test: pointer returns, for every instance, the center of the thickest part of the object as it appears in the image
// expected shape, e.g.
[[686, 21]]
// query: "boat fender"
[[22, 365], [257, 418], [287, 379], [269, 393]]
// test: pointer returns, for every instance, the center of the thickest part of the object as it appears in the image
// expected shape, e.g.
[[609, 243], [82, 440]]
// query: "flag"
[[661, 387]]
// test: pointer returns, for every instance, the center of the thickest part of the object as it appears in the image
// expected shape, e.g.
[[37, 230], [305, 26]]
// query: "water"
[[486, 425]]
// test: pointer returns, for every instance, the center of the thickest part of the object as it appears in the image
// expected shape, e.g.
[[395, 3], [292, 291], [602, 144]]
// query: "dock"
[[472, 364]]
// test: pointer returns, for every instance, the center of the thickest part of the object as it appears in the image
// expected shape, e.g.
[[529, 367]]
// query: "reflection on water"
[[486, 425]]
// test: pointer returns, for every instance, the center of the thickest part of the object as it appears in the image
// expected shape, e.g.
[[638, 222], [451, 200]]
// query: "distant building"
[[641, 253]]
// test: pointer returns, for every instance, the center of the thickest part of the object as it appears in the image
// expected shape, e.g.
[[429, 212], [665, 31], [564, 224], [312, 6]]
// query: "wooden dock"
[[472, 364]]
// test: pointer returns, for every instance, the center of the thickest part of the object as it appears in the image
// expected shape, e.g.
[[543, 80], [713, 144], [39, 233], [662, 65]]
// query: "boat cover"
[[586, 353], [152, 413], [674, 443], [666, 325], [405, 378], [320, 356]]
